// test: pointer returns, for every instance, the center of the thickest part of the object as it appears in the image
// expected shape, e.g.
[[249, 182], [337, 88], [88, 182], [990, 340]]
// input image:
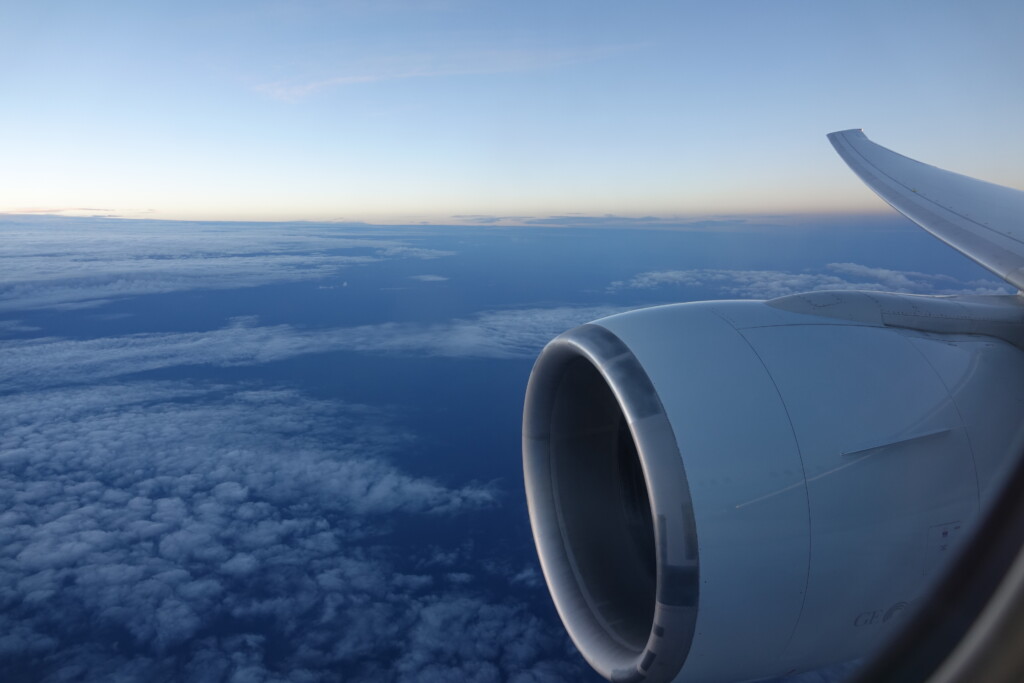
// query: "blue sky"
[[421, 111]]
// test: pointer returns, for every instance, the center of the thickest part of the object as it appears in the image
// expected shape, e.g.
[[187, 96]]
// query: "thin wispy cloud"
[[489, 219], [769, 284], [71, 265], [509, 334], [606, 220], [439, 63], [63, 211], [10, 327]]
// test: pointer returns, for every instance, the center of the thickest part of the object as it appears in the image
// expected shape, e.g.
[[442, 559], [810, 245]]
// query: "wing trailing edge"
[[982, 220]]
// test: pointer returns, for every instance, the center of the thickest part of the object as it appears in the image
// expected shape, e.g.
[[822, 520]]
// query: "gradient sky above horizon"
[[395, 111]]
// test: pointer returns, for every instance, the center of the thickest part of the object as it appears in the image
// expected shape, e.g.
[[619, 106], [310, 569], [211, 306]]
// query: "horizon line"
[[566, 219]]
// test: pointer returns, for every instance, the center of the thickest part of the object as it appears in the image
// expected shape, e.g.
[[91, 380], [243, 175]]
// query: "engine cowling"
[[729, 490]]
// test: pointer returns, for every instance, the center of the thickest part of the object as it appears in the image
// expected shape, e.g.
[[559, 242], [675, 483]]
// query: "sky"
[[259, 424], [459, 111]]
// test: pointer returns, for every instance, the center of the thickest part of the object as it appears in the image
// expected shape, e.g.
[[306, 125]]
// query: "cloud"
[[159, 530], [114, 259], [515, 333], [769, 284], [174, 530], [654, 222], [489, 219], [12, 327], [465, 640], [67, 211], [94, 285], [413, 252], [444, 61], [429, 278], [610, 220]]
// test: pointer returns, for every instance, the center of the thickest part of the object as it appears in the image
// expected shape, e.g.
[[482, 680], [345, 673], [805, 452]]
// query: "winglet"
[[981, 220]]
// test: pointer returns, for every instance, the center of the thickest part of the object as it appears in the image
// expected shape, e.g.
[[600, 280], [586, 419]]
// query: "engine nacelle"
[[729, 490]]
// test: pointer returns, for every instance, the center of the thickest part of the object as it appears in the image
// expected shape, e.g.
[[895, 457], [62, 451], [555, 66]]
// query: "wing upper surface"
[[982, 220]]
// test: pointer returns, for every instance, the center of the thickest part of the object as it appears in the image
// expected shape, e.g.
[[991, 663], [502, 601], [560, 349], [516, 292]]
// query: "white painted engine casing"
[[805, 478]]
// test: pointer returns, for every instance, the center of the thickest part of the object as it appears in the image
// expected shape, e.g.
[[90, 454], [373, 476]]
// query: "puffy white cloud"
[[465, 639], [769, 284], [167, 530]]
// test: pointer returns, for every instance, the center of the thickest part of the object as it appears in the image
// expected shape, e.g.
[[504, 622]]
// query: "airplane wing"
[[981, 220]]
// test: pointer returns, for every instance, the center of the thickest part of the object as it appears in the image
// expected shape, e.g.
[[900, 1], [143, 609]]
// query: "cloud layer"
[[86, 263], [193, 532], [197, 531], [187, 530], [517, 333], [768, 284]]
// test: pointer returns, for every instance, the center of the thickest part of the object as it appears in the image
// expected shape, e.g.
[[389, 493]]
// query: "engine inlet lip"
[[677, 579]]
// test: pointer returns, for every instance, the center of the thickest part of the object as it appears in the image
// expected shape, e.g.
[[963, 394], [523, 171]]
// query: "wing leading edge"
[[982, 220]]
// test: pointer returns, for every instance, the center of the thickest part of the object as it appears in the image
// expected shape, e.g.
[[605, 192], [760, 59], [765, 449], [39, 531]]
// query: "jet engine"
[[727, 491]]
